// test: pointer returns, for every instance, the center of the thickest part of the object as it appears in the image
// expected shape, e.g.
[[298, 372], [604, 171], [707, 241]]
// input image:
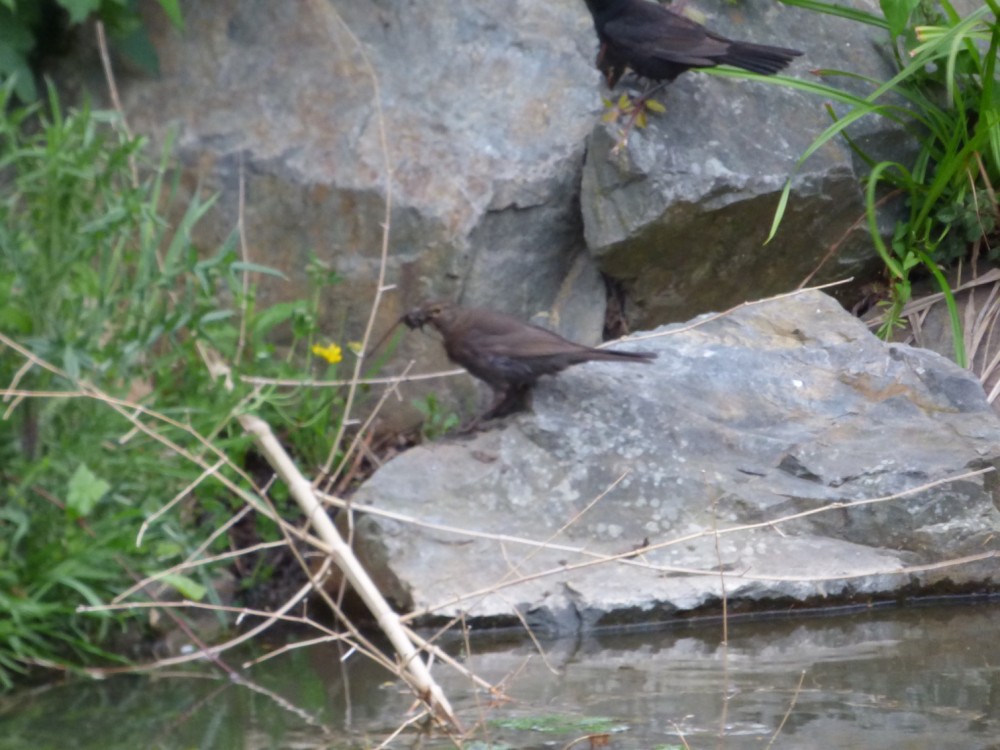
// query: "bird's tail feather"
[[613, 354], [759, 58]]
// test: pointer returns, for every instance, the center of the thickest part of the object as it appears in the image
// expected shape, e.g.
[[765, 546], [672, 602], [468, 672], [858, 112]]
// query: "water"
[[901, 678]]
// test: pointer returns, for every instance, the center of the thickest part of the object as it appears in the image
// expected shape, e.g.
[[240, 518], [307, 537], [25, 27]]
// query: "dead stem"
[[328, 14], [788, 712]]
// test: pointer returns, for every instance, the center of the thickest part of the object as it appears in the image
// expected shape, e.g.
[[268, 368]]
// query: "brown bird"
[[505, 353]]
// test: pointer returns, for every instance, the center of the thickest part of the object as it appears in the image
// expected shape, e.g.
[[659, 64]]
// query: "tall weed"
[[109, 411], [944, 95]]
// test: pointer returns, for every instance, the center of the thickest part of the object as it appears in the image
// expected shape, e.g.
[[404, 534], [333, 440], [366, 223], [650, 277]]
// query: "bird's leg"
[[470, 426], [641, 102], [505, 401], [515, 398], [612, 71], [499, 399], [500, 396]]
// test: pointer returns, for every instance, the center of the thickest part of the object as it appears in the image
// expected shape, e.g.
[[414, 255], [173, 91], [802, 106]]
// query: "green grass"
[[30, 29], [944, 96], [561, 724], [107, 305]]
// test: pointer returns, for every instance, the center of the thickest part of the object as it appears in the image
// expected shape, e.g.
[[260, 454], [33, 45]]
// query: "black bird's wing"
[[659, 44], [511, 355], [652, 33], [503, 351]]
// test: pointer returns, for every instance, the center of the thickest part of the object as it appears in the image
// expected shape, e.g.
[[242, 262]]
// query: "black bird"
[[505, 353], [658, 44]]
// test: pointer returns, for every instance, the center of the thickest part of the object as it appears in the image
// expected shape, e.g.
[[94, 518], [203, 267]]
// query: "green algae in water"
[[561, 724]]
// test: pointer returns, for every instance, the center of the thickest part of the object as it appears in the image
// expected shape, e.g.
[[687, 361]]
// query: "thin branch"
[[245, 254], [300, 488], [392, 380], [194, 560], [325, 11], [269, 619], [788, 712], [722, 572], [109, 77], [860, 221], [210, 471]]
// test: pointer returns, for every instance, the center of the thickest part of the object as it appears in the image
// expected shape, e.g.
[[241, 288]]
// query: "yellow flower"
[[331, 353]]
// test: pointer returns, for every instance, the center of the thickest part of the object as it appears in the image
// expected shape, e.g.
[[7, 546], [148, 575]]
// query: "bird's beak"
[[415, 319]]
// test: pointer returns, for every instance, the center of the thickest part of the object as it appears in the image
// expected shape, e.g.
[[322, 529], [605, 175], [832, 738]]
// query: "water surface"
[[916, 677]]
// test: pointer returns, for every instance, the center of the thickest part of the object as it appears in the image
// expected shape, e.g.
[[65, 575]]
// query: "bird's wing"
[[648, 22], [527, 343], [499, 357], [660, 33]]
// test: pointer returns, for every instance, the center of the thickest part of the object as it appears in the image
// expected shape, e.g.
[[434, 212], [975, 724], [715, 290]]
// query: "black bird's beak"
[[414, 319], [385, 337]]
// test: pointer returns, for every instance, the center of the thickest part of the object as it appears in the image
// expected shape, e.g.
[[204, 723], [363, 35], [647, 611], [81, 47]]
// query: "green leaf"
[[276, 314], [897, 13], [166, 550], [215, 316], [71, 363], [111, 218], [240, 266], [79, 10], [87, 592], [173, 10], [14, 34], [838, 10], [187, 587], [958, 339], [15, 320], [779, 211], [84, 491], [14, 65], [138, 47]]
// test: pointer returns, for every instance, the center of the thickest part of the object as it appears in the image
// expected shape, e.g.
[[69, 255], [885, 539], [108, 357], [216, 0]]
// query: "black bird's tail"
[[758, 58]]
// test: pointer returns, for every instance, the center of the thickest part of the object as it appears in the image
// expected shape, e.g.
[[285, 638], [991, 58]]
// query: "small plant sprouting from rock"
[[437, 421]]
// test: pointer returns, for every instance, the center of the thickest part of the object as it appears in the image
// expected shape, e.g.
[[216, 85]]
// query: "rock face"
[[785, 408], [681, 216], [483, 107], [489, 107]]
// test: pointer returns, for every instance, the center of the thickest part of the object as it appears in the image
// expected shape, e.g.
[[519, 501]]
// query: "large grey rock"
[[681, 215], [486, 107], [782, 408], [928, 322]]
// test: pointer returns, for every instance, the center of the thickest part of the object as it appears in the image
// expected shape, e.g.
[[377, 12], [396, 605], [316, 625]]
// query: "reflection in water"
[[904, 678]]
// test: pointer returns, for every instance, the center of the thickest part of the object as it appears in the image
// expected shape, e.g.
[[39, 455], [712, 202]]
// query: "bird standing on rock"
[[505, 353], [659, 44]]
